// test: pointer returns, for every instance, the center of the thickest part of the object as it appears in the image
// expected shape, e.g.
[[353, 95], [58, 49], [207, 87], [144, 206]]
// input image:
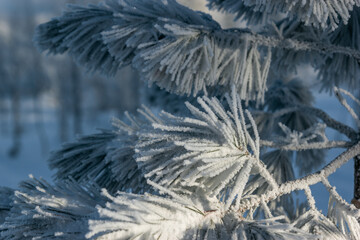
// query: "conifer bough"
[[180, 50], [214, 170]]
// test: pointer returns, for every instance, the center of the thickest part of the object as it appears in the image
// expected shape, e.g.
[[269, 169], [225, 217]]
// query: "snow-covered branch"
[[6, 195], [307, 146], [104, 158], [154, 217], [338, 93], [203, 172], [211, 149], [148, 34], [303, 183], [343, 214], [148, 217], [329, 121], [42, 211], [321, 14], [206, 177], [315, 222]]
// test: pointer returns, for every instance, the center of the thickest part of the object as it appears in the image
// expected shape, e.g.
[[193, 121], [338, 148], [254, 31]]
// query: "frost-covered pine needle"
[[210, 149], [318, 13], [180, 50], [343, 102], [6, 198], [130, 216], [42, 211], [315, 222]]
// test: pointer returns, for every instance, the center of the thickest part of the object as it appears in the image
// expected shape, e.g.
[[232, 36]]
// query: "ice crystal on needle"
[[211, 148]]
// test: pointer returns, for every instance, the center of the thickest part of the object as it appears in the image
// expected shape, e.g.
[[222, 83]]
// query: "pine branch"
[[153, 217], [84, 160], [296, 45], [148, 217], [42, 211], [329, 121], [356, 198], [206, 55], [342, 69], [350, 209], [202, 163], [343, 102], [6, 195], [278, 164], [267, 229], [104, 158], [307, 146], [333, 70], [308, 180], [211, 149], [202, 172], [296, 127], [66, 211], [344, 215], [207, 159], [315, 222], [321, 14], [78, 31]]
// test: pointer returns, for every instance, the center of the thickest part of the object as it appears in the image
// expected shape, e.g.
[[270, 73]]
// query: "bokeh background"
[[48, 100]]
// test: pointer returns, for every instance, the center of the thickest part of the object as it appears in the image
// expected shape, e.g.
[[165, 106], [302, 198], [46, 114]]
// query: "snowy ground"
[[32, 161]]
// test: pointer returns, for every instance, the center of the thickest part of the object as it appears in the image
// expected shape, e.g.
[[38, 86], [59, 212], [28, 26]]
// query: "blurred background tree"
[[47, 100], [35, 88]]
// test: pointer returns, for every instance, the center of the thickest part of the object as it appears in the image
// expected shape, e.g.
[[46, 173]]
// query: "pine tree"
[[220, 165]]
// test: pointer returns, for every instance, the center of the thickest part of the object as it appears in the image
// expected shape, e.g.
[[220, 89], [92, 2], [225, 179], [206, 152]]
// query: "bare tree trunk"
[[76, 99], [39, 125], [62, 109], [63, 129], [16, 131], [101, 94], [3, 114]]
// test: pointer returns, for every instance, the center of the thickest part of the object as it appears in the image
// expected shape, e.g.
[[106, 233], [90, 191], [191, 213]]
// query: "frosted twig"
[[146, 112], [302, 183], [319, 14], [329, 121], [357, 101], [293, 44], [256, 133], [266, 208], [310, 197], [308, 146], [347, 106], [335, 194], [169, 192], [264, 172], [277, 113], [194, 53], [239, 185], [285, 111]]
